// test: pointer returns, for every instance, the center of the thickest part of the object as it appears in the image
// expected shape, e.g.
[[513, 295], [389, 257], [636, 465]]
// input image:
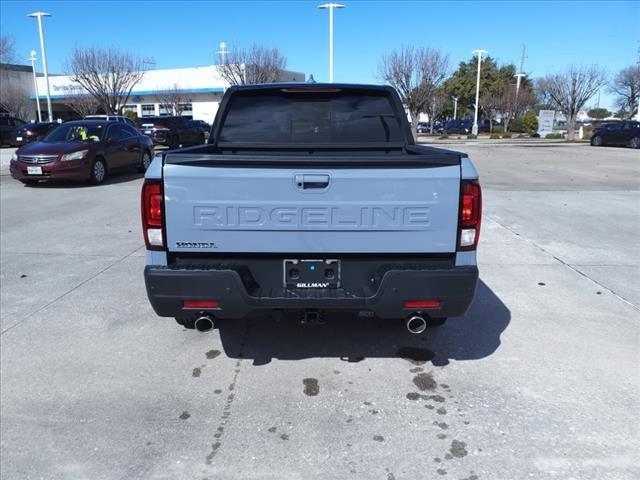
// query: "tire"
[[145, 162], [597, 141], [98, 172], [635, 142], [187, 322], [436, 322], [201, 139], [175, 142]]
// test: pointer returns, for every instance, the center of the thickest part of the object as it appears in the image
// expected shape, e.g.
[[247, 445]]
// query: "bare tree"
[[173, 99], [491, 103], [82, 104], [7, 50], [435, 107], [521, 103], [416, 73], [252, 65], [504, 102], [626, 87], [570, 91], [14, 99], [108, 74]]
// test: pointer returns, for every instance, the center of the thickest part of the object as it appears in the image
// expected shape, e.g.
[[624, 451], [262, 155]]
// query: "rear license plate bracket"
[[311, 273]]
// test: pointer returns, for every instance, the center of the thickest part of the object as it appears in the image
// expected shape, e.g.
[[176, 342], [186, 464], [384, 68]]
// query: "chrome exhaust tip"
[[416, 324], [205, 323]]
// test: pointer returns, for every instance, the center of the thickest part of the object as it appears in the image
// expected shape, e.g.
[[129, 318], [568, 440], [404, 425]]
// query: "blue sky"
[[186, 33]]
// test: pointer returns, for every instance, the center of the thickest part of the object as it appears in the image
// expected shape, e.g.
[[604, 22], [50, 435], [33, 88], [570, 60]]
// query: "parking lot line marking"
[[571, 267], [26, 317]]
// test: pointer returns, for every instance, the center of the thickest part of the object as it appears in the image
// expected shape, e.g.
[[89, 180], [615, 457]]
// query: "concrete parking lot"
[[539, 380]]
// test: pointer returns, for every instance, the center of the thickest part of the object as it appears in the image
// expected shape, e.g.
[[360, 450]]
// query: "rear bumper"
[[167, 288]]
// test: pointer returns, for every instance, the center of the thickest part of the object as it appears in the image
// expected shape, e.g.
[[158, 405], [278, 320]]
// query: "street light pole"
[[455, 107], [474, 129], [35, 83], [330, 7], [519, 77], [39, 16], [521, 74], [223, 52]]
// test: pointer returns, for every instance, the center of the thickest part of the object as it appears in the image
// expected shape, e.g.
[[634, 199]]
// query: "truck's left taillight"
[[152, 202], [470, 215]]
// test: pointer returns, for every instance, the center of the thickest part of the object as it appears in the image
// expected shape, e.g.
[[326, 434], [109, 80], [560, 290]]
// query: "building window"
[[148, 110], [165, 109], [187, 109], [130, 108]]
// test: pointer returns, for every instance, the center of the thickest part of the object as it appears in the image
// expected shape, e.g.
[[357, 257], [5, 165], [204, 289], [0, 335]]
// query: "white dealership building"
[[200, 89]]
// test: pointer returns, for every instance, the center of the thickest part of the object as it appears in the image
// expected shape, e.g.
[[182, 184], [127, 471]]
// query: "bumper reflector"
[[200, 304], [421, 304]]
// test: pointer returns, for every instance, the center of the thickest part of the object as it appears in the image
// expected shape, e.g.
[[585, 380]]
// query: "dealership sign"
[[545, 122], [68, 88]]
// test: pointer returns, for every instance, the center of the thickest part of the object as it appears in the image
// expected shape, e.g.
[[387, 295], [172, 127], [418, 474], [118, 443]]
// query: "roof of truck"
[[310, 86]]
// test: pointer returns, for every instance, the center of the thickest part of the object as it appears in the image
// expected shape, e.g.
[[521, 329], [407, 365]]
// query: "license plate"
[[18, 139], [34, 170], [147, 132], [305, 273]]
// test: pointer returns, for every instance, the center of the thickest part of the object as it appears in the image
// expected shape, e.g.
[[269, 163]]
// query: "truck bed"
[[342, 156]]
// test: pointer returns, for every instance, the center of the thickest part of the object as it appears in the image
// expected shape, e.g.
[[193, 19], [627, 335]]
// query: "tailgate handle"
[[307, 181]]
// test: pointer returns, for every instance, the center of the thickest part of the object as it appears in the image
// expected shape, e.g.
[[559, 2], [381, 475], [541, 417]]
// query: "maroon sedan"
[[82, 150]]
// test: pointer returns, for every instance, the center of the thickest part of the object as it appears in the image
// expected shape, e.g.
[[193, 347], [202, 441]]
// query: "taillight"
[[470, 214], [152, 202]]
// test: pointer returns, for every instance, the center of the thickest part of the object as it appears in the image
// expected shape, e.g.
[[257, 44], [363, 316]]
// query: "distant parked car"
[[438, 127], [82, 150], [115, 118], [171, 131], [625, 134], [459, 126], [7, 126], [423, 127], [465, 126], [30, 132]]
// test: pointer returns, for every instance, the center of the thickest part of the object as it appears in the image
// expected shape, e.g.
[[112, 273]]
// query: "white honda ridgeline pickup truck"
[[309, 199]]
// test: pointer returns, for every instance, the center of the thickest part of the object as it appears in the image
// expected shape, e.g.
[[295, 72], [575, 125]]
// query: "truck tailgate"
[[319, 210]]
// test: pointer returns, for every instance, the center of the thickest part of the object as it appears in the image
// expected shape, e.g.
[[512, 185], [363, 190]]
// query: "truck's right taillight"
[[152, 202], [470, 215]]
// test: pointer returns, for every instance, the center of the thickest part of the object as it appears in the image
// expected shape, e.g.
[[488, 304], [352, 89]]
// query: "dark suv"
[[459, 126], [171, 131], [465, 126], [7, 126], [618, 133]]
